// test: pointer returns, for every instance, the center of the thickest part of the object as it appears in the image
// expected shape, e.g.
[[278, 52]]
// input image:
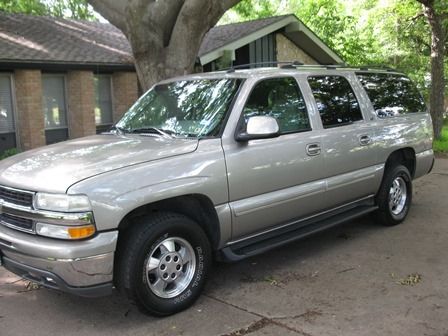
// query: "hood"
[[55, 168]]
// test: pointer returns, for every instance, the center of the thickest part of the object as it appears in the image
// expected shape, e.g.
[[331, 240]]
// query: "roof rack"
[[299, 65], [267, 64]]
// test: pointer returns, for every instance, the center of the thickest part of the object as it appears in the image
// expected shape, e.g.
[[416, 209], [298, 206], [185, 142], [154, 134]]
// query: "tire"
[[163, 263], [395, 196]]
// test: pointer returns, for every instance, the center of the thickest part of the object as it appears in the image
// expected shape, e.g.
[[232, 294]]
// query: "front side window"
[[335, 99], [6, 110], [392, 94], [53, 90], [279, 98], [103, 100], [189, 108]]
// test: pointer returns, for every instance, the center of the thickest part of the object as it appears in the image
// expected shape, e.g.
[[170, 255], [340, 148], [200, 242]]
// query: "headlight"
[[65, 232], [62, 202]]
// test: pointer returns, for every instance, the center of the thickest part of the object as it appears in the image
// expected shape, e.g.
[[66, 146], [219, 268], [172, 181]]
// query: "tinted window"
[[279, 98], [335, 100], [391, 94]]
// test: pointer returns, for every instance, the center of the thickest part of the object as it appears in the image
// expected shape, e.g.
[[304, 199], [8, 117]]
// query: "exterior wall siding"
[[81, 103], [124, 92], [288, 51], [31, 124], [263, 50], [80, 91]]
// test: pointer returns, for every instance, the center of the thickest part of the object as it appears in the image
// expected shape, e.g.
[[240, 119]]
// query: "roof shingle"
[[28, 38], [43, 39]]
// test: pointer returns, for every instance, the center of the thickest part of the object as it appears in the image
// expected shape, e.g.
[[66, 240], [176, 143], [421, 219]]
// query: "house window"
[[55, 108], [7, 127], [103, 102]]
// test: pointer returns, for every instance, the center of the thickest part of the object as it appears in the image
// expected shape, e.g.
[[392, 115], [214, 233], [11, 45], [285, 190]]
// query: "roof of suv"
[[287, 69]]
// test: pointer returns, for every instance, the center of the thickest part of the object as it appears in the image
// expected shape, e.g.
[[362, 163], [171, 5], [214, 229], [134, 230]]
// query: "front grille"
[[18, 197], [18, 222]]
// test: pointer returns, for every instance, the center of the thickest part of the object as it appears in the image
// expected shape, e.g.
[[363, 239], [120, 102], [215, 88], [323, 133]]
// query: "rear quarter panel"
[[413, 130]]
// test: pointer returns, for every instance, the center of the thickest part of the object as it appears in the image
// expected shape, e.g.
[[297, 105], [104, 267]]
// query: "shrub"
[[8, 152]]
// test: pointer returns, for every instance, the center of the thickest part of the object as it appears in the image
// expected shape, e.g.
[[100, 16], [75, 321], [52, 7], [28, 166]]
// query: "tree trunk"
[[165, 36], [437, 93]]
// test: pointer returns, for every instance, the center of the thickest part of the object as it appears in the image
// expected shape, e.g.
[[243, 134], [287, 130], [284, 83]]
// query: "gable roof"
[[221, 36], [236, 35], [28, 39]]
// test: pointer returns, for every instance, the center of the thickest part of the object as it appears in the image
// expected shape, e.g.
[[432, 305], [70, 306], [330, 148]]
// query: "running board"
[[265, 242]]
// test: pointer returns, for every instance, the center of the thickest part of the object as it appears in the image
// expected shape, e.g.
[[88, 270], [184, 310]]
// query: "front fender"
[[114, 194]]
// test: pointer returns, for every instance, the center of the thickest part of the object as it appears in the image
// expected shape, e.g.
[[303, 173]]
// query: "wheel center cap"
[[170, 266]]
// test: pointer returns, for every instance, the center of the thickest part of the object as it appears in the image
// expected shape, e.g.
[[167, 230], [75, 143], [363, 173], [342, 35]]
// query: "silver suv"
[[219, 165]]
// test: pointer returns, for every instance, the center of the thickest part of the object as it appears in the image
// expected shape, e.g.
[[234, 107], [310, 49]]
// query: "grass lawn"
[[441, 145]]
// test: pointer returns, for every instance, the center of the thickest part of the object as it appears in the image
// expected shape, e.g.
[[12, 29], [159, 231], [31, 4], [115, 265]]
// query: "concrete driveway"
[[357, 279]]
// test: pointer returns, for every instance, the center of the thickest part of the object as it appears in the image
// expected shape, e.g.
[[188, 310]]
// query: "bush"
[[441, 145], [8, 152]]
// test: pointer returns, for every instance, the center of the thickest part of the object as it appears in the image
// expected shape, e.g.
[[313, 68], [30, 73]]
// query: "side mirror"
[[260, 127]]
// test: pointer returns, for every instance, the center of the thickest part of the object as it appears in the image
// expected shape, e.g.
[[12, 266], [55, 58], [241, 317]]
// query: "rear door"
[[273, 181], [348, 139]]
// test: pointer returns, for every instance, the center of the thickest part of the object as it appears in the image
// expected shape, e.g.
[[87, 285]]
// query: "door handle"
[[313, 149], [365, 140]]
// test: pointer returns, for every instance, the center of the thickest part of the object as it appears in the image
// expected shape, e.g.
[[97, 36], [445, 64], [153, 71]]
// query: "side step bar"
[[260, 244]]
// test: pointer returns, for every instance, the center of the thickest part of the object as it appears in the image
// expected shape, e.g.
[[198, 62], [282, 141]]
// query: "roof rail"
[[299, 65], [351, 67], [291, 64]]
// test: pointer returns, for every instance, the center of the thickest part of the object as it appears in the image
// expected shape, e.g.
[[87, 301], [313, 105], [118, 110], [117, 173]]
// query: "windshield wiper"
[[119, 130], [162, 132]]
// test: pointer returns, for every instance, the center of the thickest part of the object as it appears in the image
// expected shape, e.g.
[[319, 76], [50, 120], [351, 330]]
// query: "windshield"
[[190, 108]]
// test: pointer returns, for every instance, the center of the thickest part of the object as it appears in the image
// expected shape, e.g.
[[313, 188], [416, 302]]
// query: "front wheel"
[[164, 263], [395, 195]]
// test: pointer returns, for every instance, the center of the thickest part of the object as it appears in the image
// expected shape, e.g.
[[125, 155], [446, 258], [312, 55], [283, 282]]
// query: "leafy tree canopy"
[[386, 32], [76, 9]]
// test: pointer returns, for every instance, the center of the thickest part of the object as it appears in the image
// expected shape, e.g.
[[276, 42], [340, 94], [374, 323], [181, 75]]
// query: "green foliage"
[[24, 6], [8, 153], [374, 32], [441, 145], [330, 20], [76, 9]]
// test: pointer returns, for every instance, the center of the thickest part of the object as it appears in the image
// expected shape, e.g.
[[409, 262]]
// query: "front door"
[[274, 181]]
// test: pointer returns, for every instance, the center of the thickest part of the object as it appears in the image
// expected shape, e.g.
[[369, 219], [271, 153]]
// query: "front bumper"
[[80, 267]]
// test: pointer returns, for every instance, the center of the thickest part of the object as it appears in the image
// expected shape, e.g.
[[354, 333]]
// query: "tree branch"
[[165, 14], [113, 11], [427, 3], [416, 17], [227, 4]]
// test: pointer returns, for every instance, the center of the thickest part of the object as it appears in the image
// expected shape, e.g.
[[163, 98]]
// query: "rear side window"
[[279, 98], [335, 100], [391, 94]]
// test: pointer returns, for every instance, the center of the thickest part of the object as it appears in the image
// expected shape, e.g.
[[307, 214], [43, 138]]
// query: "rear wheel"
[[164, 261], [395, 195]]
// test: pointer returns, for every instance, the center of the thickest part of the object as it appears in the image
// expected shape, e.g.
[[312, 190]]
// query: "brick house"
[[62, 79]]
